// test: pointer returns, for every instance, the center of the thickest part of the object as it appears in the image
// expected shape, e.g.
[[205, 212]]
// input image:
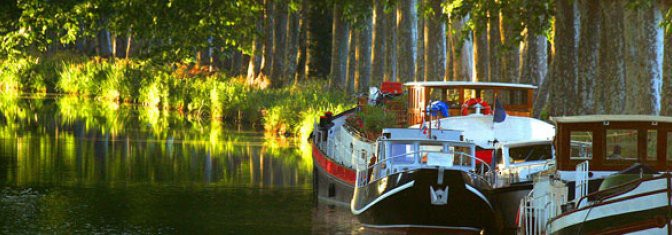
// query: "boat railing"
[[522, 172], [582, 178], [461, 160], [537, 209]]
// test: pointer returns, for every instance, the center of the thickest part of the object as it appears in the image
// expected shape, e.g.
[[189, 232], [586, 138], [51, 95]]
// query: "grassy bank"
[[181, 87]]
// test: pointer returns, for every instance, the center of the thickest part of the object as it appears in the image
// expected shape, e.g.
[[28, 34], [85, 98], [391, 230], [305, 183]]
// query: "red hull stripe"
[[336, 170]]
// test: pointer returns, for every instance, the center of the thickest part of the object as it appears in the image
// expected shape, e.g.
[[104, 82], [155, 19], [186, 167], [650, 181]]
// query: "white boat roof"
[[483, 132], [611, 118], [464, 83]]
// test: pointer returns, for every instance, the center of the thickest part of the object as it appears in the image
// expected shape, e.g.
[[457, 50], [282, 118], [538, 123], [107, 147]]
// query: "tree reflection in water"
[[108, 167]]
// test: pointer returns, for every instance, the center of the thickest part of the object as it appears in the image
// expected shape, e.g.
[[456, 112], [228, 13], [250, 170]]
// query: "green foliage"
[[289, 110], [532, 15], [375, 118]]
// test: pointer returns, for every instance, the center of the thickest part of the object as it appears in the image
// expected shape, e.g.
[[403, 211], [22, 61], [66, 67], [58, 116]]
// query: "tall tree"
[[352, 67], [256, 52], [494, 45], [379, 42], [407, 47], [653, 54], [462, 50], [267, 58], [391, 46], [280, 43], [364, 53], [435, 42], [666, 108], [589, 44], [420, 40], [565, 62], [610, 84], [535, 59], [339, 51], [293, 43]]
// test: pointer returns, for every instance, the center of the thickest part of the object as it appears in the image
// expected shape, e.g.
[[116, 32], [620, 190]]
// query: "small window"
[[581, 145], [651, 140], [621, 144], [530, 153], [402, 153], [461, 155]]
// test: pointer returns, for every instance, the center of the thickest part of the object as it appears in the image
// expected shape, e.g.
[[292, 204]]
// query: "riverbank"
[[188, 89]]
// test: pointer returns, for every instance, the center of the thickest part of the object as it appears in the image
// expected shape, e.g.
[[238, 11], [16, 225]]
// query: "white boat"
[[513, 148], [607, 179]]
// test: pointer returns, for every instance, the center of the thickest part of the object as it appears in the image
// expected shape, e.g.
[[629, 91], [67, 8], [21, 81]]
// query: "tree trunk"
[[379, 42], [408, 31], [236, 62], [510, 57], [339, 50], [420, 44], [611, 71], [566, 59], [293, 45], [463, 52], [391, 46], [257, 53], [435, 43], [481, 55], [364, 54], [280, 43], [267, 58], [450, 56], [652, 81], [666, 108], [494, 46], [303, 47], [104, 41], [129, 37], [352, 62], [589, 44], [535, 60]]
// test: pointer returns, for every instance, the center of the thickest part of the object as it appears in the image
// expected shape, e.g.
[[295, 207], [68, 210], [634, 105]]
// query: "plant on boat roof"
[[375, 118]]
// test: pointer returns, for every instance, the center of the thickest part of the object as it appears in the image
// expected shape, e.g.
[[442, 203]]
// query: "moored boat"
[[513, 146], [608, 178]]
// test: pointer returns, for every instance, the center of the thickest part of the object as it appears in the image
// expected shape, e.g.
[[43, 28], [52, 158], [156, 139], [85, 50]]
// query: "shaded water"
[[71, 165]]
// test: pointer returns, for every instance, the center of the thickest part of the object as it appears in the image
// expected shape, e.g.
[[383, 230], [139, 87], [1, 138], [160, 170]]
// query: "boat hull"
[[332, 183], [404, 200], [644, 205], [506, 201]]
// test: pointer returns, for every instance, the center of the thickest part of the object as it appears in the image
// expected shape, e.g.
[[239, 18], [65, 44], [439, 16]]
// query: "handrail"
[[362, 169]]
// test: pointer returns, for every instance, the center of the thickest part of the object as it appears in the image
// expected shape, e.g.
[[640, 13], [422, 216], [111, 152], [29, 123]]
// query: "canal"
[[72, 165]]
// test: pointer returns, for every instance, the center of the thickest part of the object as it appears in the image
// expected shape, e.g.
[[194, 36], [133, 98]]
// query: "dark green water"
[[71, 165]]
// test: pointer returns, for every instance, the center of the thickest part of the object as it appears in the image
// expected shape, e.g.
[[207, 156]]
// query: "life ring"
[[470, 102]]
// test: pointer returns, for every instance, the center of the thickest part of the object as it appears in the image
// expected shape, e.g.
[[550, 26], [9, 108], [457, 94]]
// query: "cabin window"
[[488, 95], [621, 144], [651, 140], [402, 153], [518, 97], [461, 155], [581, 145], [453, 98], [530, 153]]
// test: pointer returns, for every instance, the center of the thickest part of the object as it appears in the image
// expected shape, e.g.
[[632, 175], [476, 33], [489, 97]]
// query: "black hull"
[[506, 201], [405, 202], [331, 190]]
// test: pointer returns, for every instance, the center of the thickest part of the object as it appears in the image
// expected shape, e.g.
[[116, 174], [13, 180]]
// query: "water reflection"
[[95, 167]]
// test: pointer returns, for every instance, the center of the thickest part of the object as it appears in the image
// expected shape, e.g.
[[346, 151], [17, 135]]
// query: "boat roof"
[[465, 84], [483, 132], [611, 118]]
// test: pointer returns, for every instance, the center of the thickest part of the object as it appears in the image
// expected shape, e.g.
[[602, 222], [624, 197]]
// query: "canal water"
[[72, 165]]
